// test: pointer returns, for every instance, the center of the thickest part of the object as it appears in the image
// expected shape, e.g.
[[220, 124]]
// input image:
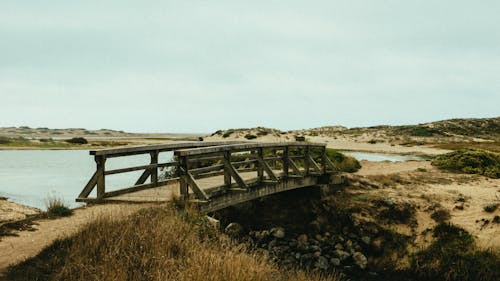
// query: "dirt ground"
[[462, 196], [28, 243]]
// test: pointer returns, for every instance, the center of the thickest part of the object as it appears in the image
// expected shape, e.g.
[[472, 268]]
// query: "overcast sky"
[[199, 66]]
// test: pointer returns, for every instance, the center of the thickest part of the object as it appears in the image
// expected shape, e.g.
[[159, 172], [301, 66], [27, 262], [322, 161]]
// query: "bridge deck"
[[165, 192]]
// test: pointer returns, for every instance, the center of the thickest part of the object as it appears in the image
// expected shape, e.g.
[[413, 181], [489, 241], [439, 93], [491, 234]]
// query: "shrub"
[[227, 134], [454, 256], [250, 136], [470, 161], [4, 140], [56, 208], [343, 162], [490, 208], [77, 141]]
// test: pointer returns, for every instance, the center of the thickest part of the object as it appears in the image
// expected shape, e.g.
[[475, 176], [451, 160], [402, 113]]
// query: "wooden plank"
[[142, 167], [89, 187], [242, 147], [142, 179], [330, 164], [307, 165], [227, 173], [295, 168], [236, 175], [286, 165], [136, 188], [200, 194], [268, 170], [206, 169], [260, 168], [154, 169], [314, 164], [133, 150], [101, 182]]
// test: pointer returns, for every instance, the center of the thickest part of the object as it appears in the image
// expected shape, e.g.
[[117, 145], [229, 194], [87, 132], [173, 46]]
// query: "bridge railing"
[[272, 162], [150, 170]]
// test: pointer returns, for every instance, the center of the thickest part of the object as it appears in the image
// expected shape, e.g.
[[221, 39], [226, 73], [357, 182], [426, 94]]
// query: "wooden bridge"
[[214, 175]]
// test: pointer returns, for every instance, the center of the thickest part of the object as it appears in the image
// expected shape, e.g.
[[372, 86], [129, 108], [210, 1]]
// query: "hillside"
[[425, 138]]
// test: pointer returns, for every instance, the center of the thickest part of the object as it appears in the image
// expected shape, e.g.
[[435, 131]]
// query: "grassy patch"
[[56, 208], [470, 161], [153, 244], [250, 136], [343, 162], [78, 140], [454, 256]]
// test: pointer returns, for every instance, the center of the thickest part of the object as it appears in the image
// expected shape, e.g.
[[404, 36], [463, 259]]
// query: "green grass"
[[343, 162], [470, 161]]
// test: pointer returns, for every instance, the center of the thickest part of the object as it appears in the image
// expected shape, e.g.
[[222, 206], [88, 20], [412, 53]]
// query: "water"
[[378, 157], [30, 177]]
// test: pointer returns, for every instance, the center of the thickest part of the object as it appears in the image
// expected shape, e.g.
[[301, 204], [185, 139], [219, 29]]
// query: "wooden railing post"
[[227, 172], [323, 159], [101, 181], [154, 171], [183, 182], [307, 165], [285, 161], [260, 168]]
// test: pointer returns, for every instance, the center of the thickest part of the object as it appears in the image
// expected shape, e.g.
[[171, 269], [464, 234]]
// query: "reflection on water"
[[30, 177], [378, 157]]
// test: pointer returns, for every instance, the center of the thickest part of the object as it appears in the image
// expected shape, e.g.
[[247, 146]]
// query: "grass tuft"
[[56, 208]]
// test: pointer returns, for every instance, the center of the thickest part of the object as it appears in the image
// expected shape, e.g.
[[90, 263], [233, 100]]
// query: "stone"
[[366, 240], [260, 235], [233, 229], [322, 263], [335, 261], [302, 238], [360, 260], [214, 223], [342, 255], [278, 232], [317, 254], [339, 246]]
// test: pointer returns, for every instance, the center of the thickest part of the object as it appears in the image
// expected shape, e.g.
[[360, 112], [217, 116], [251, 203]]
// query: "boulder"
[[278, 232], [234, 229], [360, 260], [321, 263]]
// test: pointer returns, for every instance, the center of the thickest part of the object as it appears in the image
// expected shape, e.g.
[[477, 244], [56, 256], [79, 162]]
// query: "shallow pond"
[[378, 157], [31, 177]]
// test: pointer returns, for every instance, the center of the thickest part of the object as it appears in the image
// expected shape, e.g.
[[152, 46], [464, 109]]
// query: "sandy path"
[[15, 249]]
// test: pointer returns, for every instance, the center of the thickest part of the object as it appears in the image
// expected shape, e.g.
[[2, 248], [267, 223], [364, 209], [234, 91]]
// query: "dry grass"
[[153, 244]]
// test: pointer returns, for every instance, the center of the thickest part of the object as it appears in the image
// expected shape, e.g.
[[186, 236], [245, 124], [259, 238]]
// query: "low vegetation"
[[78, 140], [470, 161], [343, 162], [454, 256], [250, 136], [153, 244], [57, 208]]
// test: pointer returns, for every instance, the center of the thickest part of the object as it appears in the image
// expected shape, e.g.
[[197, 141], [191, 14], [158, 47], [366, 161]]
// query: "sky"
[[199, 66]]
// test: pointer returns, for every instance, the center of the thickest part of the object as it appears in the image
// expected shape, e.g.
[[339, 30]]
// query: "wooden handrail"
[[134, 150], [242, 147]]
